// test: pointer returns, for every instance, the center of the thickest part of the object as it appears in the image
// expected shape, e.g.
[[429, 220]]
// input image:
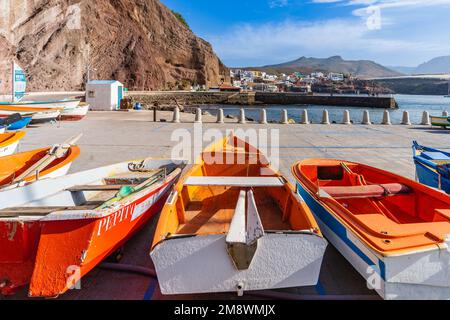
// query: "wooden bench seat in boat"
[[243, 182], [44, 210], [383, 227], [366, 191]]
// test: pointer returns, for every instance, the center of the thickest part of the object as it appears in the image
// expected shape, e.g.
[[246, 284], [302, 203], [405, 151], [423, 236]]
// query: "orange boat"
[[54, 231], [14, 166], [234, 224], [394, 231]]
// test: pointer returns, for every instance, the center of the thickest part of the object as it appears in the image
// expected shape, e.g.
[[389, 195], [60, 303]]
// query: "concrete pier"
[[149, 99]]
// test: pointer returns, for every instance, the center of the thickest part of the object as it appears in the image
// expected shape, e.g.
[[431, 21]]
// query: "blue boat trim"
[[340, 230]]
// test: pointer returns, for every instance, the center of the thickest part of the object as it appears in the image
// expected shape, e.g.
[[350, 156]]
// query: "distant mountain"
[[404, 70], [359, 68], [434, 66]]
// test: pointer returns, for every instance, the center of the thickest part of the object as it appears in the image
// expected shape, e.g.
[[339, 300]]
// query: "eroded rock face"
[[138, 42]]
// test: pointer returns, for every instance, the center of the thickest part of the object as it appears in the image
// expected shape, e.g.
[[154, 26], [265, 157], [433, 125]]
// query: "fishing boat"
[[45, 116], [394, 231], [25, 167], [20, 124], [235, 226], [432, 167], [14, 122], [54, 231], [9, 142], [64, 103], [39, 115], [440, 121], [76, 113]]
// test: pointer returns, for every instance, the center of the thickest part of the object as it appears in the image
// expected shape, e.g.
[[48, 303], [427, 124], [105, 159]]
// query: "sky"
[[262, 32]]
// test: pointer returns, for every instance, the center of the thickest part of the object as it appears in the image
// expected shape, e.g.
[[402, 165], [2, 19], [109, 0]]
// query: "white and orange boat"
[[9, 142], [75, 113], [39, 115], [394, 231], [25, 167], [235, 225], [54, 231]]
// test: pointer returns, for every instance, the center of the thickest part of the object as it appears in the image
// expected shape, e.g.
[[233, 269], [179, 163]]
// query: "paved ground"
[[111, 137]]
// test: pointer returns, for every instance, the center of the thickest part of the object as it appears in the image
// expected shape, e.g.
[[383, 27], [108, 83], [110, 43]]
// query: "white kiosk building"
[[104, 95]]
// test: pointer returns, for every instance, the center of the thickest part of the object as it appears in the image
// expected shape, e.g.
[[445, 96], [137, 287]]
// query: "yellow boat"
[[9, 142], [235, 226]]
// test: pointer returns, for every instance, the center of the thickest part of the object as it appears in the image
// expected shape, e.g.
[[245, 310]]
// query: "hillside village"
[[315, 82]]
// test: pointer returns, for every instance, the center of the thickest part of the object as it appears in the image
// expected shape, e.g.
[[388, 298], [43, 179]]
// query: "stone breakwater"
[[166, 100]]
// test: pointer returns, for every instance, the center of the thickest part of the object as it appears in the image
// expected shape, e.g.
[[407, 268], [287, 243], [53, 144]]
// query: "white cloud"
[[249, 44], [278, 3]]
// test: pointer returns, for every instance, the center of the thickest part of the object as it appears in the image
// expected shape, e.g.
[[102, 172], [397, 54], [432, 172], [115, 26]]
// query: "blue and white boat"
[[432, 167], [20, 124], [62, 104]]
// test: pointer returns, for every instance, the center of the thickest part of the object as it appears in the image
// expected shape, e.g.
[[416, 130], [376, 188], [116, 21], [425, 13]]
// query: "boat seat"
[[44, 210], [435, 156], [102, 187], [243, 182], [384, 227], [367, 191]]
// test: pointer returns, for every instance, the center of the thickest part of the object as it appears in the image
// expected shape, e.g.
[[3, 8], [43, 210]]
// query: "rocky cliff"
[[138, 42]]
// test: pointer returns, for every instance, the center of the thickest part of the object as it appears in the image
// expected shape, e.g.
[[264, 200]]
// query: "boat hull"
[[440, 121], [9, 149], [74, 114], [201, 264], [68, 103], [43, 117], [414, 275], [25, 121]]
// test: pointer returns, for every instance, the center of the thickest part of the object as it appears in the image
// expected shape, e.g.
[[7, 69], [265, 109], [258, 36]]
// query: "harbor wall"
[[350, 101], [185, 98]]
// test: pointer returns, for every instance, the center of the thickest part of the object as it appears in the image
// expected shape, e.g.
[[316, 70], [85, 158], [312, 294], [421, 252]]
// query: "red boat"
[[53, 232]]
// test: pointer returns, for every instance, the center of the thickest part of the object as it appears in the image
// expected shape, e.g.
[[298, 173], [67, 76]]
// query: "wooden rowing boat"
[[6, 110], [432, 167], [54, 231], [394, 231], [76, 113], [235, 227], [9, 142], [64, 103], [440, 121], [45, 116], [14, 166]]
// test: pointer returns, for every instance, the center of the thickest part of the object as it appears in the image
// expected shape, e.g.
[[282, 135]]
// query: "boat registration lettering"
[[112, 220]]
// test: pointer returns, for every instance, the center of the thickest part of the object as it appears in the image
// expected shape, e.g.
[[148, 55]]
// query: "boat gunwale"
[[13, 137]]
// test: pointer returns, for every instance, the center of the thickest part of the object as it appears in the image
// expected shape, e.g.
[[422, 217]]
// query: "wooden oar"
[[56, 152]]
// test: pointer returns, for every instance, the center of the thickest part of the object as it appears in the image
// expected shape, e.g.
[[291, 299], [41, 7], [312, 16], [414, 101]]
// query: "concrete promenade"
[[111, 137]]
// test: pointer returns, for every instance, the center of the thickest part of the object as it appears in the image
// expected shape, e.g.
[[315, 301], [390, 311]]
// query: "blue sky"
[[259, 32]]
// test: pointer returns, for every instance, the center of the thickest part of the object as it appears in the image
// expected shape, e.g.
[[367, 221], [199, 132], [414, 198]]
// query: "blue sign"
[[19, 83]]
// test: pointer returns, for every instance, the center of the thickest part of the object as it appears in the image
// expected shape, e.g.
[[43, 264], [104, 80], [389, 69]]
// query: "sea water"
[[414, 104]]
